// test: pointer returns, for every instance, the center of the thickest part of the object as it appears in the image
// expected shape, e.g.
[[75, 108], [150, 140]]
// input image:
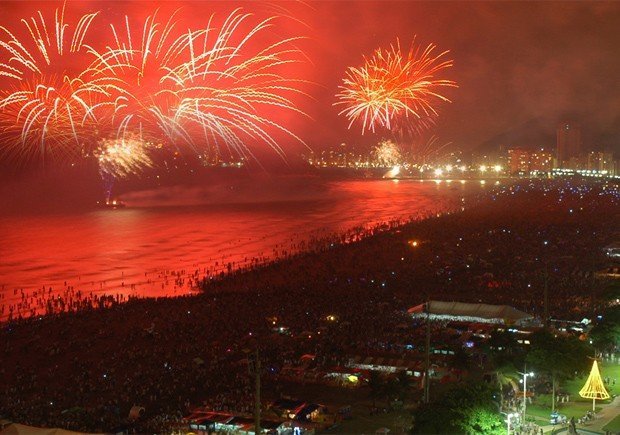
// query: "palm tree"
[[505, 374]]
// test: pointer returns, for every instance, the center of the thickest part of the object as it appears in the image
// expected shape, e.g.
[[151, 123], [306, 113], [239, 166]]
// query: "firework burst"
[[121, 157], [44, 107], [395, 90], [203, 88], [387, 153]]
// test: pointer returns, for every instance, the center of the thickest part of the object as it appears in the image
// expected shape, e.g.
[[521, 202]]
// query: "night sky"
[[515, 62]]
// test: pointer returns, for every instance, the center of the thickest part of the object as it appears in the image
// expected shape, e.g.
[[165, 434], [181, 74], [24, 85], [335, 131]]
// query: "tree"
[[505, 355], [482, 421], [559, 357], [503, 343], [505, 374], [606, 334], [433, 418], [612, 292], [465, 409], [476, 409]]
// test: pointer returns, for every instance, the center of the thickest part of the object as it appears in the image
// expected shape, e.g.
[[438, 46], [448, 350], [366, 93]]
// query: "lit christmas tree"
[[594, 388]]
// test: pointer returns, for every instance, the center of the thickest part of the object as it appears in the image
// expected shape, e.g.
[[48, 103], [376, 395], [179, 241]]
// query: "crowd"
[[85, 369]]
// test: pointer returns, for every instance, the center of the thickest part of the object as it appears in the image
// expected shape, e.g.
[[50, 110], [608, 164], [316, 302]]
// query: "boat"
[[111, 204]]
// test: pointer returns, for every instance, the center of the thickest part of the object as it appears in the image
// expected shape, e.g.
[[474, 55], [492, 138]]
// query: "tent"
[[467, 312]]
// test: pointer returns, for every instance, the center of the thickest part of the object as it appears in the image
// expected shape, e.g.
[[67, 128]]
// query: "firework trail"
[[428, 151], [207, 89], [395, 90], [43, 107]]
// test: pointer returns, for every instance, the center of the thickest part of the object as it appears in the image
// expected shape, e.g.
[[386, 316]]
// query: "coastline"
[[114, 255]]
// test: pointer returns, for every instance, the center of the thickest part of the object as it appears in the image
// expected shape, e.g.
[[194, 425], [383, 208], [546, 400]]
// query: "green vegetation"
[[468, 409], [558, 357], [606, 334], [608, 370]]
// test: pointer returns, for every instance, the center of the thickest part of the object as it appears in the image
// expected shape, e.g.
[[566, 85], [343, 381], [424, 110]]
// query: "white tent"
[[467, 312]]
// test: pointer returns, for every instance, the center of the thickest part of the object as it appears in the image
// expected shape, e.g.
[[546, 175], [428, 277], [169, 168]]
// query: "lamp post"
[[524, 381], [427, 361], [509, 416]]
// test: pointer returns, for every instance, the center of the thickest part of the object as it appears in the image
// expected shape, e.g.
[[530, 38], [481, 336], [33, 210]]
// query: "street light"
[[524, 382], [509, 416]]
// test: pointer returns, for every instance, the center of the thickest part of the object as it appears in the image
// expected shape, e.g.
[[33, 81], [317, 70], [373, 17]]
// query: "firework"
[[120, 157], [43, 107], [213, 88], [204, 88], [428, 151], [395, 89], [387, 153]]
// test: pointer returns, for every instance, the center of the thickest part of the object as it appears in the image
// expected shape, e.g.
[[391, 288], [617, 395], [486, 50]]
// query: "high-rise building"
[[522, 161], [518, 161], [568, 142]]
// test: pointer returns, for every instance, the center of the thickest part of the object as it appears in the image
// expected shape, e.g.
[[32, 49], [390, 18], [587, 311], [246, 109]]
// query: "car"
[[557, 418]]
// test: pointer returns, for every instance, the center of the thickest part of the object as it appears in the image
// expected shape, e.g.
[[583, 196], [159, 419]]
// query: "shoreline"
[[71, 300], [88, 291]]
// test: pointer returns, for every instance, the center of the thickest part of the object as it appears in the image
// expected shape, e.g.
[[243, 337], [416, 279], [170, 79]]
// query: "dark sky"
[[514, 61]]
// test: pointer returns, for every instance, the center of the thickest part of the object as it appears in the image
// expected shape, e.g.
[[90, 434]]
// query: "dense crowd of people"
[[85, 369]]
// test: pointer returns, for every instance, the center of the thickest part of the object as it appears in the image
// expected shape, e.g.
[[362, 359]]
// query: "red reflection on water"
[[156, 251]]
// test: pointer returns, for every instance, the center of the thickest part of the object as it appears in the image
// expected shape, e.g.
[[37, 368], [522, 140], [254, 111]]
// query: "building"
[[568, 142], [601, 162], [518, 161], [541, 161], [522, 161]]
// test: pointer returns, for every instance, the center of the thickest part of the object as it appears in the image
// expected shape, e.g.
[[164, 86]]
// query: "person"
[[572, 427]]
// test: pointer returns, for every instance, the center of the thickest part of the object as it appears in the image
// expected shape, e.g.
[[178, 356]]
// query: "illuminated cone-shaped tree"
[[594, 388]]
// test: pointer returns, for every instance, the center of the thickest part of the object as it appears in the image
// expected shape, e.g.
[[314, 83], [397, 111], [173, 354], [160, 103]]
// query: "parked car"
[[557, 418]]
